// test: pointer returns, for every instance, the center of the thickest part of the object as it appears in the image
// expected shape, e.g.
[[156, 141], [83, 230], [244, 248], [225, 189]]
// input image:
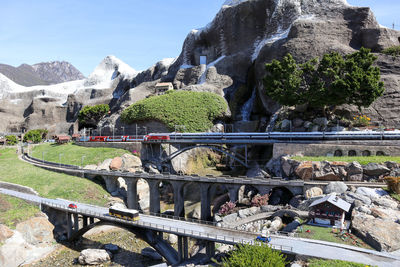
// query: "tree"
[[254, 255], [11, 139], [332, 81], [89, 116], [35, 136]]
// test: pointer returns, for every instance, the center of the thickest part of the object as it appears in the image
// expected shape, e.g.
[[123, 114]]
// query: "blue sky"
[[139, 32]]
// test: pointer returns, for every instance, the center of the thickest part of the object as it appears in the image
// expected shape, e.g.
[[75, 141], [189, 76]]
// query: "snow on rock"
[[101, 78], [108, 69]]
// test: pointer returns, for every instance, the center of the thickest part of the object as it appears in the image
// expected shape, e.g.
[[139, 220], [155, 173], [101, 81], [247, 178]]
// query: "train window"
[[366, 153], [380, 153], [352, 153], [338, 153]]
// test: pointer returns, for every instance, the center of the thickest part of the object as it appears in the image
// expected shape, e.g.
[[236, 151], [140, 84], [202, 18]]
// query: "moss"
[[195, 110]]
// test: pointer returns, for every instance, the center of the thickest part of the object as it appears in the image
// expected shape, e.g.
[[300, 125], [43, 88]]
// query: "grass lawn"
[[361, 160], [333, 263], [46, 183], [325, 234], [72, 154]]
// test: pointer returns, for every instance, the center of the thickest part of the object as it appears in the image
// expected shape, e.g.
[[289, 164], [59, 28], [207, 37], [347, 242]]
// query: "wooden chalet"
[[329, 210], [62, 139]]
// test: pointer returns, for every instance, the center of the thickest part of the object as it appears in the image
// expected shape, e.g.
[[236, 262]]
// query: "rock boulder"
[[381, 235], [116, 163], [313, 192], [335, 187], [94, 256], [36, 230]]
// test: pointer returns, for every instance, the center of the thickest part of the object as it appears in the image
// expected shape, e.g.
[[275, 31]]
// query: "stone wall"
[[339, 149]]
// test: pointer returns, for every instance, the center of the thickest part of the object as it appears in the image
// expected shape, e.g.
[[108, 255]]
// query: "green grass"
[[195, 110], [392, 51], [333, 263], [72, 154], [361, 160], [325, 234], [14, 210], [46, 183]]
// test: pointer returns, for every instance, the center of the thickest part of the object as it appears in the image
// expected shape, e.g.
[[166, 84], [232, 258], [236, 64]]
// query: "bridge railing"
[[55, 164]]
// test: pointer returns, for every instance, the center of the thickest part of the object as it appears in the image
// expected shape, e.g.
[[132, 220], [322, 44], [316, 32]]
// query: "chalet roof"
[[334, 200], [63, 137], [163, 84]]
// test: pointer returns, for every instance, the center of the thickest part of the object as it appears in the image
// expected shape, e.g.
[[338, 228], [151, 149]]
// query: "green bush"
[[327, 82], [260, 255], [11, 139], [35, 136], [89, 116], [195, 110], [392, 51]]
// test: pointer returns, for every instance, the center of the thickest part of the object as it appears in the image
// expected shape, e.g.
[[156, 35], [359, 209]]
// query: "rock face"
[[93, 256], [382, 235], [36, 230], [57, 72]]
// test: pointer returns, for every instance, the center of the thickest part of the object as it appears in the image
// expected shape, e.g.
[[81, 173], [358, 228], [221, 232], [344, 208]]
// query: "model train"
[[125, 138], [314, 136], [127, 214]]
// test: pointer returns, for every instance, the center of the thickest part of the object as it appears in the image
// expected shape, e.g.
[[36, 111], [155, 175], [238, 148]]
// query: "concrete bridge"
[[178, 182], [150, 228]]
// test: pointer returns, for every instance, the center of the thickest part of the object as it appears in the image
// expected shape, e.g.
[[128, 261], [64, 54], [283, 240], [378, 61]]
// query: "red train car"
[[98, 138], [156, 137]]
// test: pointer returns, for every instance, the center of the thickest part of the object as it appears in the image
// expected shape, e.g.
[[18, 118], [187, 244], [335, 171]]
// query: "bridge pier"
[[233, 191], [205, 202], [85, 221], [132, 196], [179, 202], [183, 248], [111, 183], [210, 249], [154, 196]]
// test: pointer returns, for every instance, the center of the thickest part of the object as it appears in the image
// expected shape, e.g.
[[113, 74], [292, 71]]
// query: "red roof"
[[63, 137]]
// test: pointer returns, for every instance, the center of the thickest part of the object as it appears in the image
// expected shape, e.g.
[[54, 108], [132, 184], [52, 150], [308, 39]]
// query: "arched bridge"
[[152, 228], [178, 182]]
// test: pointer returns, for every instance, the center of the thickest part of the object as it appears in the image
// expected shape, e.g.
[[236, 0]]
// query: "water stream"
[[248, 107]]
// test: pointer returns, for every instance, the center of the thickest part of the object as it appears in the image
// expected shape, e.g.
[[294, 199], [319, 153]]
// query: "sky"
[[139, 32]]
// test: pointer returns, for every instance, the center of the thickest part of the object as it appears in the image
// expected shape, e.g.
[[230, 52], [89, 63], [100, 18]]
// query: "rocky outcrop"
[[116, 163], [57, 72], [330, 171], [382, 235], [336, 187], [32, 240], [94, 256], [36, 230]]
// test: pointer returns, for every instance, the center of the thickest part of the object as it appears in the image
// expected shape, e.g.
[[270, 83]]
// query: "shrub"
[[227, 208], [333, 263], [36, 135], [361, 120], [136, 153], [392, 51], [89, 116], [195, 110], [260, 200], [327, 82], [393, 183], [254, 255], [11, 139]]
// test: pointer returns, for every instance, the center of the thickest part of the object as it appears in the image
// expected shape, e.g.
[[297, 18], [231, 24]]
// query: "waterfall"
[[248, 106], [271, 124]]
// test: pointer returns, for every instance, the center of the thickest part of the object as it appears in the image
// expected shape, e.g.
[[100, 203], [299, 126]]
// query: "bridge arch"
[[281, 195], [237, 157], [149, 236]]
